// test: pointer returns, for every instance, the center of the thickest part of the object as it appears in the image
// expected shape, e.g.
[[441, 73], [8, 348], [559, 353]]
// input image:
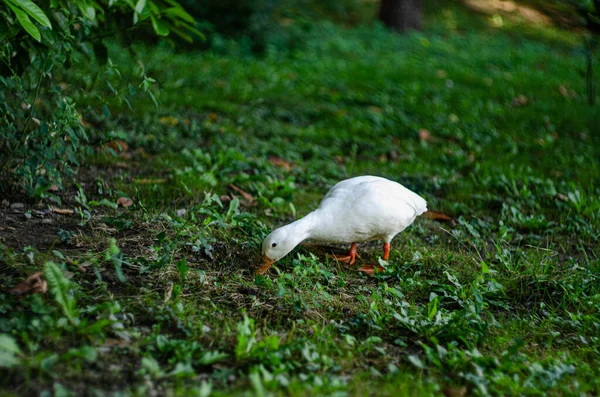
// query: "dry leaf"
[[122, 164], [34, 284], [118, 145], [247, 196], [168, 292], [213, 117], [562, 197], [110, 342], [371, 269], [424, 135], [520, 100], [124, 202], [169, 120], [225, 198], [455, 391], [62, 211], [564, 91], [279, 162], [53, 187], [437, 216]]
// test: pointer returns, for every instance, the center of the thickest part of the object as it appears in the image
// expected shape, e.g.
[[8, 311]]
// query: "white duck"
[[356, 209]]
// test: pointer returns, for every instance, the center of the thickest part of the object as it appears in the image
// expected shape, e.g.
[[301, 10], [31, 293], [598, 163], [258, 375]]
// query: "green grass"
[[503, 301]]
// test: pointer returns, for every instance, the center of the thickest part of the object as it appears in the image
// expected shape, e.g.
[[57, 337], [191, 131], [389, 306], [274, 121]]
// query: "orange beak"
[[267, 262]]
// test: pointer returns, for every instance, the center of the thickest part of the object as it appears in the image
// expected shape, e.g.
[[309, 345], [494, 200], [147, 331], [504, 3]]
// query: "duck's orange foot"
[[371, 269], [350, 258]]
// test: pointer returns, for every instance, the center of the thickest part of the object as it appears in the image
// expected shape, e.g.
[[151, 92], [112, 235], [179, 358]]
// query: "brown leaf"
[[169, 120], [564, 91], [225, 198], [118, 145], [110, 342], [122, 164], [279, 162], [34, 284], [124, 202], [562, 197], [424, 135], [455, 391], [371, 269], [520, 100], [437, 216], [213, 117], [62, 211], [247, 196], [54, 188]]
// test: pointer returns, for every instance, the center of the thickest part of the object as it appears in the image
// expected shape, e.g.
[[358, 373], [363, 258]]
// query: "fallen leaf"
[[247, 196], [371, 269], [213, 117], [225, 198], [437, 216], [34, 284], [169, 120], [279, 162], [520, 100], [168, 292], [424, 135], [564, 91], [455, 391], [562, 197], [124, 202], [62, 211], [53, 188], [118, 145], [122, 164], [110, 342], [17, 206]]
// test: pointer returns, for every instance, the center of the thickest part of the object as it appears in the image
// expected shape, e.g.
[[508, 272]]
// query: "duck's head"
[[277, 245]]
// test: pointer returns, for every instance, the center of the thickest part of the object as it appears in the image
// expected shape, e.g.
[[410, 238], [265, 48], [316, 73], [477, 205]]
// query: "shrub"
[[41, 132]]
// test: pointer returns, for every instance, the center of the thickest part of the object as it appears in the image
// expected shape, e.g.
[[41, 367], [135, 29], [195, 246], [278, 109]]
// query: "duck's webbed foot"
[[348, 259]]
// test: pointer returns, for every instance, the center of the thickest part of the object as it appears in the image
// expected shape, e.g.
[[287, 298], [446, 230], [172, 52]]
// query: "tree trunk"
[[401, 15]]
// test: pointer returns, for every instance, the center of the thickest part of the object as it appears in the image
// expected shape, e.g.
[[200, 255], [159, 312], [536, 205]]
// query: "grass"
[[162, 298]]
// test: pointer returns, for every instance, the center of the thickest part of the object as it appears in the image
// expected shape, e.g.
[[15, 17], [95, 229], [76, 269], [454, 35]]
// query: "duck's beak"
[[267, 262]]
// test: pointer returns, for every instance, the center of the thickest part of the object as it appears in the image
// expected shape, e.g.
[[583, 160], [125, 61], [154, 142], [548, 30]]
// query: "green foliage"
[[60, 287], [41, 132], [505, 300], [9, 351]]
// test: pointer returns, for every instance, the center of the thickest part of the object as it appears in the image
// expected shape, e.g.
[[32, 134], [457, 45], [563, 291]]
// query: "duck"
[[358, 209]]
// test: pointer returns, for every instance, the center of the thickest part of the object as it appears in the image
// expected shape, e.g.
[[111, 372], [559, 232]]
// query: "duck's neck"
[[304, 227]]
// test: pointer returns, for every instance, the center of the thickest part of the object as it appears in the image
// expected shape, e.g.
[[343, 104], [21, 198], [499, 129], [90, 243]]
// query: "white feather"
[[356, 209]]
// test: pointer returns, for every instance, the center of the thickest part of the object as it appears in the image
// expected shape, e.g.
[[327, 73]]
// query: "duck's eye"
[[274, 245]]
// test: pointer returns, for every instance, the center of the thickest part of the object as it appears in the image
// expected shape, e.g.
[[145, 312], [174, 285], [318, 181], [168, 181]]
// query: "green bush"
[[41, 131]]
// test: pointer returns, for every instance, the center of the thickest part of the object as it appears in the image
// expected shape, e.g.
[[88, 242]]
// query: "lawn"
[[488, 122]]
